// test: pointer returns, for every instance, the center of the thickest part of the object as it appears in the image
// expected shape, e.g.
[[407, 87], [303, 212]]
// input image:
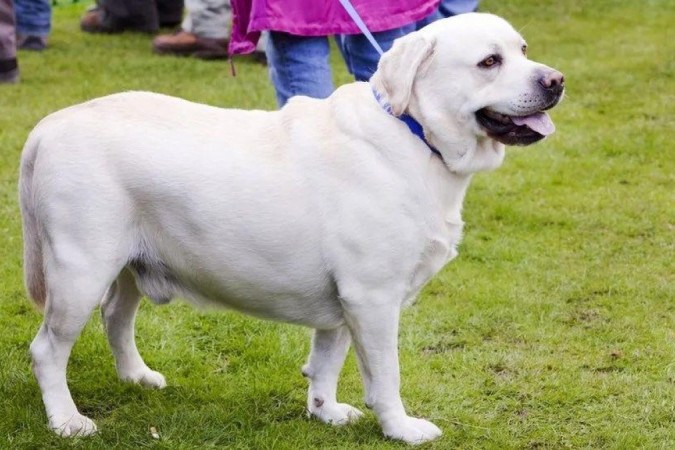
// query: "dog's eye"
[[524, 49], [490, 61]]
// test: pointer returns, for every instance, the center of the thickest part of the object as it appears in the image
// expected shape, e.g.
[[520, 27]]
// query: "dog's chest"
[[453, 233], [439, 249], [446, 241]]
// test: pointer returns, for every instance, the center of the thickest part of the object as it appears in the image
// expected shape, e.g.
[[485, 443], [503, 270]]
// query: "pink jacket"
[[318, 17]]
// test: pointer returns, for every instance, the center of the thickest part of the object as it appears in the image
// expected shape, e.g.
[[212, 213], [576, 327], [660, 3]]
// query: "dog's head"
[[468, 81]]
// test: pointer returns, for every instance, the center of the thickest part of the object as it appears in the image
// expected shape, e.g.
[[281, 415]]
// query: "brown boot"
[[182, 43], [92, 22]]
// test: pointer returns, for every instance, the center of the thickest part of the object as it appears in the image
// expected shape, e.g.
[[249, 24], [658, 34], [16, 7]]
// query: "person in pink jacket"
[[298, 48]]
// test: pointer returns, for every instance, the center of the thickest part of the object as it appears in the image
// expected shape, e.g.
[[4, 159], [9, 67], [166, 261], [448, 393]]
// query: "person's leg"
[[170, 12], [9, 69], [433, 17], [448, 8], [360, 56], [135, 14], [33, 23], [113, 16], [208, 18], [204, 31], [299, 65], [453, 7]]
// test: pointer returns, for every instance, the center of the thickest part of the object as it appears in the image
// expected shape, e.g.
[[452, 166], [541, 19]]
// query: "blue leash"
[[347, 5], [414, 126]]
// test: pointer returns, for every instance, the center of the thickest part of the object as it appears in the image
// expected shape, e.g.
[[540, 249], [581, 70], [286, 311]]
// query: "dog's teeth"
[[498, 116]]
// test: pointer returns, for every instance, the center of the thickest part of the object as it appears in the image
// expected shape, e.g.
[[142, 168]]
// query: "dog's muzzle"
[[529, 128]]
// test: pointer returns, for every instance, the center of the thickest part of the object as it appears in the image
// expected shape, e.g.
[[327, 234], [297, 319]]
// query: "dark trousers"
[[7, 30], [142, 14]]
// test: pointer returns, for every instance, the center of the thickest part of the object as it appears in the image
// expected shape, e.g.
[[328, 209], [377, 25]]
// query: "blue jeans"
[[360, 56], [33, 17], [448, 8], [299, 65], [453, 7]]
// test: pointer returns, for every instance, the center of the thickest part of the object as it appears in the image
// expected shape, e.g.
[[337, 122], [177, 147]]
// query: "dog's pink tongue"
[[539, 122]]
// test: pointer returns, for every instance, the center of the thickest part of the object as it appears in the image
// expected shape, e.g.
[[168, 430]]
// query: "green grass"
[[555, 327]]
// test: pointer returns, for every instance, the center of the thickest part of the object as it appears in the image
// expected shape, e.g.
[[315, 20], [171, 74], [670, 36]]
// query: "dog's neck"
[[462, 152], [413, 125]]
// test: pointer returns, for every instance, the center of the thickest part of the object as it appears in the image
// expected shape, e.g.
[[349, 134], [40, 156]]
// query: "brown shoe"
[[182, 43], [92, 21]]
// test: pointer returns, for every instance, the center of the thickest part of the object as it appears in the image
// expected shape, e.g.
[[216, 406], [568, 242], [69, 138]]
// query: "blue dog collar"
[[414, 126]]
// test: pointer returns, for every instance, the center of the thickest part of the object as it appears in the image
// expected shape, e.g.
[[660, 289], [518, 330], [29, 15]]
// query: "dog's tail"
[[33, 264]]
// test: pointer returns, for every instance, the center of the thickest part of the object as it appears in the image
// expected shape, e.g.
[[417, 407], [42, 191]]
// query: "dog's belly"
[[233, 249], [316, 311], [306, 298]]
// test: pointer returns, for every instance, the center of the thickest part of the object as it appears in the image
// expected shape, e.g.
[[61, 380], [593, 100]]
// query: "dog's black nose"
[[553, 81]]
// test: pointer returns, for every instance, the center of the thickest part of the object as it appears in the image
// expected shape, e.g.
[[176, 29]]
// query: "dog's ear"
[[398, 68]]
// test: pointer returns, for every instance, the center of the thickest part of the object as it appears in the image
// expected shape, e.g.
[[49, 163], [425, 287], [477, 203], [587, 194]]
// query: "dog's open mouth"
[[515, 130]]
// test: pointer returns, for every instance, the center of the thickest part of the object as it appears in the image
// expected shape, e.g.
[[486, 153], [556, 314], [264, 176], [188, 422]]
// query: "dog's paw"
[[334, 413], [70, 425], [145, 377], [412, 430]]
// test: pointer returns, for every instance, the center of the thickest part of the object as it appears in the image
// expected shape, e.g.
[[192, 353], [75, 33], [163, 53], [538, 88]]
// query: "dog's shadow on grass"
[[248, 405], [189, 415]]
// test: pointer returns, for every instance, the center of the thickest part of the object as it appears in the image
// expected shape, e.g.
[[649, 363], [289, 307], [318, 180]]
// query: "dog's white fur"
[[328, 213]]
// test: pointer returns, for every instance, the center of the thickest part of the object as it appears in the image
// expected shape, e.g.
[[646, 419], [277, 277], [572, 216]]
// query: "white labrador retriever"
[[329, 213]]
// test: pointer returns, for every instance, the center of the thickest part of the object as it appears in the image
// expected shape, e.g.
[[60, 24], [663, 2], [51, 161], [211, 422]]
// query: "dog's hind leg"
[[118, 312], [74, 287], [329, 349]]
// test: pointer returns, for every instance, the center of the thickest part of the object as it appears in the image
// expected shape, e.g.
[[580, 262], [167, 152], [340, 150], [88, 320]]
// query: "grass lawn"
[[555, 327]]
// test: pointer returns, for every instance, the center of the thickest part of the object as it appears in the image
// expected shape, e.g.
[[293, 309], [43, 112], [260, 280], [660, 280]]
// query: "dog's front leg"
[[374, 329], [329, 349]]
